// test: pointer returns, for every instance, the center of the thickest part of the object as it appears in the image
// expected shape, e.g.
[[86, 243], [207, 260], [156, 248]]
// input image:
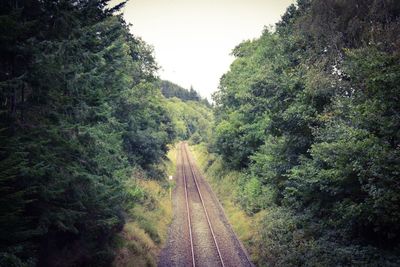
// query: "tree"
[[69, 67], [309, 115]]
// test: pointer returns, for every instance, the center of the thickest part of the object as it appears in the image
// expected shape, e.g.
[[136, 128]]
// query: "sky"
[[193, 39]]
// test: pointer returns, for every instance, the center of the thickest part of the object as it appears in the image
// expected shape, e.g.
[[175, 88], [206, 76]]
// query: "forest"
[[304, 128]]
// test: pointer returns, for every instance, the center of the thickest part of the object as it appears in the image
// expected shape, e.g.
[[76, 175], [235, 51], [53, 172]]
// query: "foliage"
[[191, 119], [145, 233], [78, 111], [170, 90], [309, 114]]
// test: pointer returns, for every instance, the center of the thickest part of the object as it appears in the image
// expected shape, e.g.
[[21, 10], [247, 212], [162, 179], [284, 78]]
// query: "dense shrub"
[[309, 113]]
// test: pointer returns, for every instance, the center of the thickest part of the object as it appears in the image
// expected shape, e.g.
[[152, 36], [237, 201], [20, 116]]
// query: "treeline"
[[79, 111], [170, 90], [310, 115]]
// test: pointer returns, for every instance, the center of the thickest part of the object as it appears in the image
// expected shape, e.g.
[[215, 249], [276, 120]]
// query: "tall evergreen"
[[76, 92], [170, 90]]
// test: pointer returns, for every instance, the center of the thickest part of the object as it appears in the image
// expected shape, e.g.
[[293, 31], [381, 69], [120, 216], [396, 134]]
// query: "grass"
[[171, 163], [137, 249], [145, 232], [224, 185]]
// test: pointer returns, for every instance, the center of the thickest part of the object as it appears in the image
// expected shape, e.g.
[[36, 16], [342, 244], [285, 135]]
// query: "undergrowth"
[[145, 231]]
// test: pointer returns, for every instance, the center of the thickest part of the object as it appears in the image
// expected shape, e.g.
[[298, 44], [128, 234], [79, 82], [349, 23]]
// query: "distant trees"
[[191, 115], [170, 90], [78, 111], [191, 119], [310, 115]]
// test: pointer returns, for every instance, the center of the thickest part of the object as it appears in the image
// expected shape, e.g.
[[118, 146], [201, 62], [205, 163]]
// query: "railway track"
[[200, 234], [192, 175]]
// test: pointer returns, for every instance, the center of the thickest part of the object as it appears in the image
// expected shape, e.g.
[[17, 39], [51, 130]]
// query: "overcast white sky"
[[192, 39]]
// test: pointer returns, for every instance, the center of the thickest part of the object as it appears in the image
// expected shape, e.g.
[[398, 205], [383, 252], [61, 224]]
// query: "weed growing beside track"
[[145, 232]]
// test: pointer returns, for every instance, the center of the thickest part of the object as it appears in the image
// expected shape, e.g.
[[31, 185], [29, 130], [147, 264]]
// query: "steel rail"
[[204, 207], [234, 235], [187, 209]]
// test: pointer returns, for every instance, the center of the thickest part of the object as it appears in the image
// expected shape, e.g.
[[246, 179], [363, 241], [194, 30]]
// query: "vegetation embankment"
[[145, 231], [307, 118]]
